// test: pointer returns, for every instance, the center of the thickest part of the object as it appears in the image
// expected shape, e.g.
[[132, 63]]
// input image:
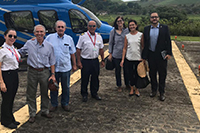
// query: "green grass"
[[194, 17], [185, 38]]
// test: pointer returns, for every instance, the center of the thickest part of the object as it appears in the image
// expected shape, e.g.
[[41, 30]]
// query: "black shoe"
[[53, 109], [162, 97], [84, 99], [131, 95], [152, 94], [66, 108], [11, 126], [16, 123], [96, 97]]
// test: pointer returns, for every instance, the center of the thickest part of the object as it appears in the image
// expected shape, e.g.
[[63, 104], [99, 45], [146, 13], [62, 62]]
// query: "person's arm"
[[78, 55], [142, 42], [101, 52], [169, 45], [2, 84], [52, 73], [124, 51], [73, 58], [111, 43]]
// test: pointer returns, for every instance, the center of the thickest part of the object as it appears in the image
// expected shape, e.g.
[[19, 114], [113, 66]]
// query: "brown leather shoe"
[[66, 108], [31, 119], [53, 109], [46, 115]]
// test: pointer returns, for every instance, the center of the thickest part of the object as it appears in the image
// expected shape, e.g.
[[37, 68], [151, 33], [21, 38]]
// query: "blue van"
[[23, 15]]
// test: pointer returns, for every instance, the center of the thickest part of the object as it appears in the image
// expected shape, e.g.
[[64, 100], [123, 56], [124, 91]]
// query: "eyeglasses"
[[10, 36], [92, 26], [119, 21], [60, 26], [154, 16]]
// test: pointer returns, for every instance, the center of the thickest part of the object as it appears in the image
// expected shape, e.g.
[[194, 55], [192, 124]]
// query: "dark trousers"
[[90, 71], [157, 65], [11, 81], [118, 72], [133, 75]]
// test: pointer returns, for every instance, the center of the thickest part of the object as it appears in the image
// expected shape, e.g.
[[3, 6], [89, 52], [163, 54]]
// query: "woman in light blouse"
[[133, 46], [116, 44], [9, 81]]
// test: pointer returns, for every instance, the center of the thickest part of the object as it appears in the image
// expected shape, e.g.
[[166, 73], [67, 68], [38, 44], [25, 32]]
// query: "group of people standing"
[[53, 57], [128, 47]]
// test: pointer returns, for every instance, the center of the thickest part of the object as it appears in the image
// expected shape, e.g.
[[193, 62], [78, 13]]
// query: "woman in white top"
[[9, 81], [133, 46]]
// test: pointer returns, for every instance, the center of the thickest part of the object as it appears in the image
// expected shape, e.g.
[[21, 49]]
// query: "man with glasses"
[[64, 50], [157, 50], [40, 59], [89, 47]]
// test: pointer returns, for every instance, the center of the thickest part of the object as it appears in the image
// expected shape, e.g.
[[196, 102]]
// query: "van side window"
[[48, 18], [20, 21], [78, 21]]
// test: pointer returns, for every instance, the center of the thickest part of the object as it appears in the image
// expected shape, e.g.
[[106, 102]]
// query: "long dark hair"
[[134, 22], [9, 29], [115, 22]]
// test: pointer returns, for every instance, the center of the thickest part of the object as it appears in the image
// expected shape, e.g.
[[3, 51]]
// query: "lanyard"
[[17, 57], [91, 38]]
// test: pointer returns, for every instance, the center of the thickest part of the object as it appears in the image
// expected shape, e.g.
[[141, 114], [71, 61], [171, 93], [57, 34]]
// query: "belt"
[[89, 59], [38, 69]]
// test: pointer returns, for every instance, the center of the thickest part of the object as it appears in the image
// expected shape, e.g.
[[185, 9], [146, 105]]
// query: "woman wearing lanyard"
[[9, 81]]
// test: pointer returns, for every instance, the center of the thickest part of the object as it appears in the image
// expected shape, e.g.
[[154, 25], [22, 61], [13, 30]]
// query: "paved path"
[[119, 113]]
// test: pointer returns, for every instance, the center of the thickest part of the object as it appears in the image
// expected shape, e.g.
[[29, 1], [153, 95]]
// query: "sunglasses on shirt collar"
[[10, 36]]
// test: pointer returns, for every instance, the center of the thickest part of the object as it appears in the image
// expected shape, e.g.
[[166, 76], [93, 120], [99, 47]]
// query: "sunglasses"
[[10, 36], [61, 27], [119, 21], [92, 26], [154, 16]]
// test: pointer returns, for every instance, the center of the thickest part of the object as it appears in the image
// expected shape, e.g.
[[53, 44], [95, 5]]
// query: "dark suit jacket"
[[163, 43]]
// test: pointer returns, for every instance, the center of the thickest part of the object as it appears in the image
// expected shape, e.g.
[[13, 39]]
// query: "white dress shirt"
[[8, 58]]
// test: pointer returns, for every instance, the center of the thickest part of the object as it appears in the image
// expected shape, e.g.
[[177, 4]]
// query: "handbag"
[[53, 86], [109, 64], [142, 82]]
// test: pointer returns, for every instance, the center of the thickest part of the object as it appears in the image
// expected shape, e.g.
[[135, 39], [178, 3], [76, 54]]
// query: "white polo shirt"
[[90, 45], [8, 58]]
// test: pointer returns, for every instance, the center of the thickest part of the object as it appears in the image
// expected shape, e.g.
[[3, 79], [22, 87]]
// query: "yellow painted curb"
[[22, 115], [189, 79]]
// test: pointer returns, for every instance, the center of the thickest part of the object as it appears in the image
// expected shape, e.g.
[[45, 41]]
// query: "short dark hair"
[[9, 29], [115, 22], [134, 22]]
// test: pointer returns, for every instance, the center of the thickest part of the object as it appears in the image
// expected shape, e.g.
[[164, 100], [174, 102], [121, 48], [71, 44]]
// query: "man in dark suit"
[[157, 50]]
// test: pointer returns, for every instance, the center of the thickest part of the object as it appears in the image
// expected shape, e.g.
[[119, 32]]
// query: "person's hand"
[[79, 64], [53, 78], [74, 68], [3, 87], [110, 57], [122, 63], [102, 63], [168, 57]]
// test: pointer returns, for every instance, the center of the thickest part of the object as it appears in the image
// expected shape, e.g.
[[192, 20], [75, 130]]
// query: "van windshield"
[[92, 16]]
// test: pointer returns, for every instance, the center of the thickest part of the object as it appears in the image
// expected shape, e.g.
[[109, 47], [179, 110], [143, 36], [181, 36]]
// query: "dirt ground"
[[119, 113]]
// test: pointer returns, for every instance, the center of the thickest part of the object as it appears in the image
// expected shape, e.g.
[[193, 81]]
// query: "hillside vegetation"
[[166, 2]]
